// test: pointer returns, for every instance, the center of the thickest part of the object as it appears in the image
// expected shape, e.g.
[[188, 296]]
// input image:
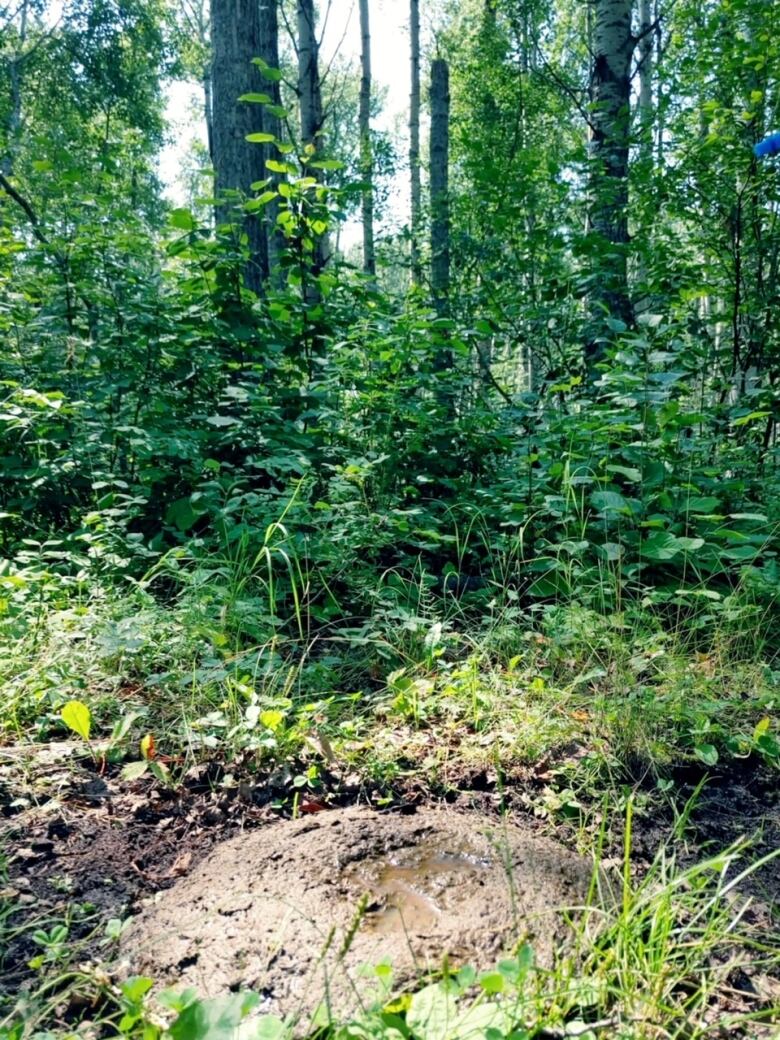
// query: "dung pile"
[[276, 910]]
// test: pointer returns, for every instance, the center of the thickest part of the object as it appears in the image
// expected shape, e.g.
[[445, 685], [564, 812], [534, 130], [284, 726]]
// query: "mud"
[[277, 910]]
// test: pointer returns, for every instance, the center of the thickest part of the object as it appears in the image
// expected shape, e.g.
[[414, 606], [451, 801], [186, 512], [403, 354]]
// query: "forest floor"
[[687, 833], [83, 847]]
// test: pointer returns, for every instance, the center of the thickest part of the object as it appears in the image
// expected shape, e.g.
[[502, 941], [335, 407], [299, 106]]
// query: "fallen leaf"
[[312, 806], [181, 865]]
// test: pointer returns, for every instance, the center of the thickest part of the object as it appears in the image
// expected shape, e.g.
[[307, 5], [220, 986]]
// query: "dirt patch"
[[276, 910]]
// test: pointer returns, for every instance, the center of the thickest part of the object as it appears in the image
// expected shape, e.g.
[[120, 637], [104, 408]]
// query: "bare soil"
[[277, 910], [80, 844]]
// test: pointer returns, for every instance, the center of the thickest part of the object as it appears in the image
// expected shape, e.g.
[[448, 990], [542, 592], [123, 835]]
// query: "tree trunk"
[[312, 119], [414, 141], [308, 76], [208, 110], [235, 41], [613, 47], [366, 150], [272, 124], [440, 204], [646, 47]]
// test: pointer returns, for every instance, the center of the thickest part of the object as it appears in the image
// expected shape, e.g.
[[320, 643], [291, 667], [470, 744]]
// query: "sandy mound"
[[272, 910]]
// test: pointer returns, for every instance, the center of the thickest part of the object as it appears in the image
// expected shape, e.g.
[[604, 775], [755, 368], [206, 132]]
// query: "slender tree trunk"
[[235, 41], [366, 150], [269, 51], [14, 118], [660, 106], [414, 141], [613, 47], [308, 76], [208, 110], [646, 155], [440, 204], [312, 120], [646, 70]]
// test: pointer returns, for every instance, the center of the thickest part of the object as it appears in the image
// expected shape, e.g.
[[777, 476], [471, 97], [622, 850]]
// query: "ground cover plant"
[[307, 502]]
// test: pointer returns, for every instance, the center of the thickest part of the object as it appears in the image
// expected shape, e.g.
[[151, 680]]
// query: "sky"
[[390, 61]]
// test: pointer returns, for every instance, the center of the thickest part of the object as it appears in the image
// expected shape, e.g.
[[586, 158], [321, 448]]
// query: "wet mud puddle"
[[409, 890]]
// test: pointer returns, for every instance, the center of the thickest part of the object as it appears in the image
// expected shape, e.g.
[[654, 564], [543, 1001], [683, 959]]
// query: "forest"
[[390, 519]]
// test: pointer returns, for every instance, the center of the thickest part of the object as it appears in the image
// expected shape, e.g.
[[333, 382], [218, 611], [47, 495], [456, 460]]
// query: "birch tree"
[[309, 88], [613, 48]]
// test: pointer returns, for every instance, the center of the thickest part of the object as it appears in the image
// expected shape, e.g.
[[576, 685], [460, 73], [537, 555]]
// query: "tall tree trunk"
[[414, 141], [646, 48], [613, 47], [208, 110], [15, 70], [440, 183], [272, 124], [366, 150], [312, 118], [646, 155], [235, 40], [309, 76]]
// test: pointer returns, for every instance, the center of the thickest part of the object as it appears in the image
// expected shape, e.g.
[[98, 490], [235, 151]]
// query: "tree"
[[272, 121], [610, 120], [414, 140], [309, 87], [440, 183], [366, 149], [238, 163], [312, 115]]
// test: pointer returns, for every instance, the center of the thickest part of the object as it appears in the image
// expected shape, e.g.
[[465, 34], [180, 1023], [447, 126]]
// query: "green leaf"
[[269, 1027], [135, 770], [272, 719], [664, 546], [222, 420], [492, 982], [280, 167], [762, 727], [77, 717], [702, 504], [707, 753], [745, 419], [741, 553], [182, 219], [432, 1012], [606, 501], [182, 514], [326, 164], [215, 1019], [629, 472], [136, 987], [159, 771], [689, 544], [257, 99], [260, 138]]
